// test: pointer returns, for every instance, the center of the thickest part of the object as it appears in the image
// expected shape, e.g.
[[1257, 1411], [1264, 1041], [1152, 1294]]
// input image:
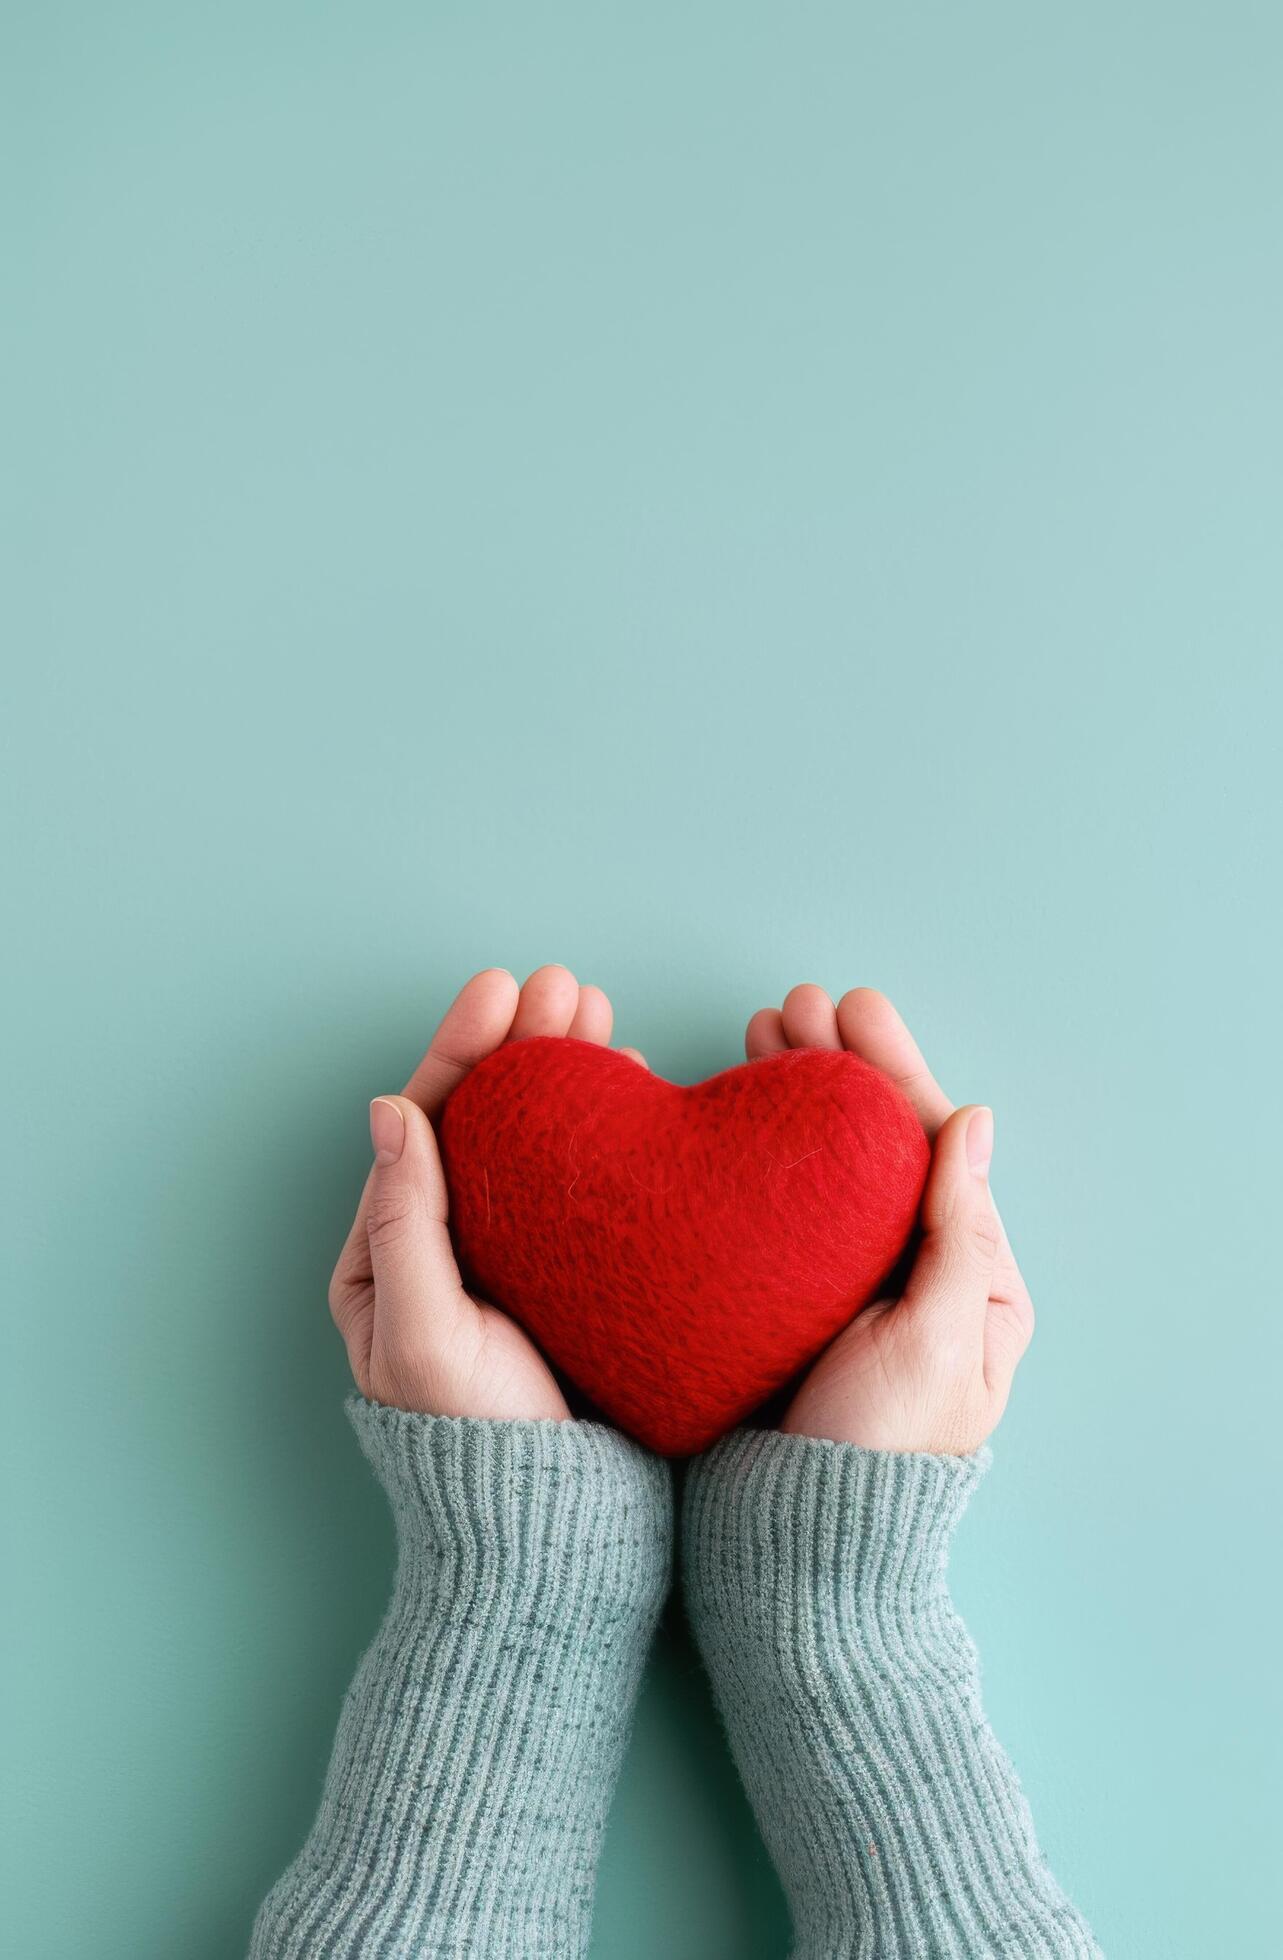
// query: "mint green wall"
[[718, 495]]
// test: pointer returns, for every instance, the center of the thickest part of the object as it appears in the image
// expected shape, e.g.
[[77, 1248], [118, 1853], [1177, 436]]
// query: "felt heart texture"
[[679, 1252]]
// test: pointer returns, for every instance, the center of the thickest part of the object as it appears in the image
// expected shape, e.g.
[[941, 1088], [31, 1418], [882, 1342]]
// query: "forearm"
[[815, 1581], [480, 1740]]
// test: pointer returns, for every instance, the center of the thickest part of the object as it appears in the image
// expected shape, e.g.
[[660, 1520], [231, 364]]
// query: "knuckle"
[[982, 1235], [358, 1354], [1026, 1320], [341, 1292], [390, 1217]]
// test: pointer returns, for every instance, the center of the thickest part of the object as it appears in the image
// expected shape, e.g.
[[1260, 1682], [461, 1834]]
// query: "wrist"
[[772, 1519], [950, 1421], [531, 1508], [477, 1365]]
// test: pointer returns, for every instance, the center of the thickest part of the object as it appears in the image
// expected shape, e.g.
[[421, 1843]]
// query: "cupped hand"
[[930, 1370], [416, 1338]]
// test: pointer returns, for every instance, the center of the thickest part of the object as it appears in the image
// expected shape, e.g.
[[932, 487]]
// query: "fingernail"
[[387, 1130], [980, 1140]]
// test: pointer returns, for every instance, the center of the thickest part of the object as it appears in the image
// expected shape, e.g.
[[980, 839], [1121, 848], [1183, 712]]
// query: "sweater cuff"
[[778, 1513], [570, 1504]]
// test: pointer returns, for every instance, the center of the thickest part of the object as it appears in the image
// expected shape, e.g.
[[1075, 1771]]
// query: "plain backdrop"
[[718, 496]]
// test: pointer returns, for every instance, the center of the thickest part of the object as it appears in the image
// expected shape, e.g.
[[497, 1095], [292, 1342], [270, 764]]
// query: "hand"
[[933, 1369], [415, 1337]]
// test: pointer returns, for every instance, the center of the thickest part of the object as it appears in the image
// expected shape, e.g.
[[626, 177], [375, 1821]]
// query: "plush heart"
[[679, 1252]]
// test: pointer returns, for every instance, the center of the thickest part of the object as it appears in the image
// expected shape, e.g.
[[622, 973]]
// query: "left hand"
[[932, 1369]]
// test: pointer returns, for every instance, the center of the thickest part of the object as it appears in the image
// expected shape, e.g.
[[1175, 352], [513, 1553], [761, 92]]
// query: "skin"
[[930, 1370]]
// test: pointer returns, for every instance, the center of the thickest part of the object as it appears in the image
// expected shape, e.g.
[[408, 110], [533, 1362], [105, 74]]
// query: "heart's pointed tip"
[[679, 1449], [679, 1438]]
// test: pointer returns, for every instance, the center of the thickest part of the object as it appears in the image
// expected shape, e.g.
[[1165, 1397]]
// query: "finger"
[[351, 1298], [352, 1270], [635, 1055], [809, 1019], [593, 1017], [950, 1279], [764, 1034], [475, 1024], [547, 1004], [870, 1027], [1009, 1326], [353, 1315], [418, 1294]]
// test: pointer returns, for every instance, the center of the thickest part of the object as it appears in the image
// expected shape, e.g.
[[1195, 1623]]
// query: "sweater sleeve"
[[480, 1740], [814, 1576]]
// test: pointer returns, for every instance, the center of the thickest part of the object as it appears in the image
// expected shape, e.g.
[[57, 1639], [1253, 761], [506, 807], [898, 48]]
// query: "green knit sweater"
[[481, 1738], [815, 1581]]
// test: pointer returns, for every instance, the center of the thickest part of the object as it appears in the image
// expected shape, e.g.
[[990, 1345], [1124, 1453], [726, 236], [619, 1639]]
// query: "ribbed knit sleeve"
[[480, 1740], [814, 1577]]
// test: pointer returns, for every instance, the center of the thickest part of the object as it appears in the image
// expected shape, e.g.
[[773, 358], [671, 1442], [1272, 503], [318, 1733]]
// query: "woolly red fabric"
[[679, 1252]]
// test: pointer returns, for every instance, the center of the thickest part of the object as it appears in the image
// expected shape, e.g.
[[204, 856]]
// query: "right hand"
[[416, 1339]]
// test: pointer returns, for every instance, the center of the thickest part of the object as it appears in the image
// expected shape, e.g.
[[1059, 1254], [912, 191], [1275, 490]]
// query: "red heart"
[[679, 1252]]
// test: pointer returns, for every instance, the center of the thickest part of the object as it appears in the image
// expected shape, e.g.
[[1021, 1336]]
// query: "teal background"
[[719, 496]]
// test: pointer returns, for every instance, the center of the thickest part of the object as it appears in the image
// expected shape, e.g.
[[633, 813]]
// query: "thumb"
[[418, 1293], [952, 1273]]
